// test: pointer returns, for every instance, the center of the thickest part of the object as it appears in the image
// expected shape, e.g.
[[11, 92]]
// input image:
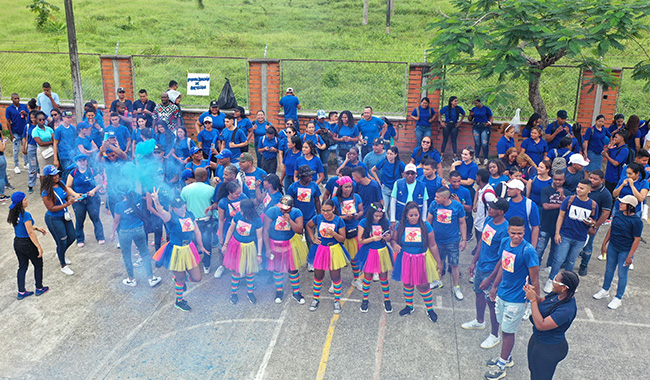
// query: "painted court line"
[[380, 346], [322, 367], [590, 315], [261, 372]]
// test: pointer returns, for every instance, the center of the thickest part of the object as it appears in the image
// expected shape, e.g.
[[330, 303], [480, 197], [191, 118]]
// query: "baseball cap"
[[410, 168], [305, 171], [321, 114], [207, 119], [226, 153], [515, 184], [578, 159], [289, 89], [286, 202], [67, 114], [246, 157], [110, 134], [121, 89], [194, 150], [214, 103], [187, 173], [499, 204], [177, 202], [378, 141], [18, 197], [628, 199], [50, 170], [158, 148], [562, 114]]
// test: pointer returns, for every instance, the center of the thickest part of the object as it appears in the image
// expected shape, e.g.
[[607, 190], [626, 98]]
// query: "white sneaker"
[[310, 268], [602, 293], [68, 261], [66, 269], [357, 284], [632, 266], [80, 245], [485, 161], [548, 287], [458, 293], [219, 271], [206, 270], [25, 166], [490, 341], [473, 325], [153, 281], [437, 284], [602, 257], [471, 280], [129, 282], [17, 170], [137, 263], [548, 269], [375, 277], [614, 303], [331, 289]]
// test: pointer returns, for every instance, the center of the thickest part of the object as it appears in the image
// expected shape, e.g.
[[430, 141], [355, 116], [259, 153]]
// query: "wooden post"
[[74, 61]]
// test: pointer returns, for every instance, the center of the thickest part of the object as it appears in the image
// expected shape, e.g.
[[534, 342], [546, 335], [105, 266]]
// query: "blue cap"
[[51, 170], [226, 153], [187, 173], [194, 150], [81, 157], [16, 198]]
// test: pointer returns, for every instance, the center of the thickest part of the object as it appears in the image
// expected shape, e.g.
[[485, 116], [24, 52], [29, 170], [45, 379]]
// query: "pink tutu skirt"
[[241, 257], [415, 269], [288, 255], [329, 257]]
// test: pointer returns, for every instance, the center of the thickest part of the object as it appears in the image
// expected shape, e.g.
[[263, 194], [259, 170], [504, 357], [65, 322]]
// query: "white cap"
[[410, 168], [290, 89], [578, 159], [207, 118], [515, 184], [630, 200]]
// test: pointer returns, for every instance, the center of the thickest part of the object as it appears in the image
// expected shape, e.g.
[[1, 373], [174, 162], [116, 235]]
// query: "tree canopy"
[[519, 39]]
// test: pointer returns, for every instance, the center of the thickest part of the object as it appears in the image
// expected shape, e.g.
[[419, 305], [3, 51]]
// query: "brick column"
[[596, 102], [117, 71], [264, 89]]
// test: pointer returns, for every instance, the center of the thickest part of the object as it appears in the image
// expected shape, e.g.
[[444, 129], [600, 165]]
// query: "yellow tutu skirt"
[[241, 257], [352, 245]]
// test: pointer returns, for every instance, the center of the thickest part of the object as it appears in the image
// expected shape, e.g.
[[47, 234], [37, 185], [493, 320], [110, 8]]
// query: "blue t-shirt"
[[230, 208], [348, 206], [639, 184], [304, 198], [181, 228], [271, 199], [61, 199], [315, 138], [18, 121], [128, 217], [624, 229], [389, 172], [412, 241], [97, 135], [260, 128], [19, 229], [322, 225], [269, 143], [535, 150], [280, 229], [181, 147], [519, 209], [573, 226], [369, 193], [246, 231], [122, 134], [344, 130], [515, 262], [559, 152], [83, 182], [236, 136], [315, 164], [452, 114], [495, 181], [289, 159], [370, 128], [563, 315], [504, 144], [418, 156], [481, 114], [136, 135], [445, 221], [467, 171], [218, 121], [432, 186], [551, 128], [66, 141], [245, 125], [425, 115], [27, 133], [463, 194], [85, 142], [290, 104], [492, 236], [536, 189], [376, 230], [252, 178], [206, 138], [619, 154]]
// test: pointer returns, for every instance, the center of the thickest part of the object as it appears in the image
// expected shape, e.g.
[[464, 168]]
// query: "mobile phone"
[[385, 233]]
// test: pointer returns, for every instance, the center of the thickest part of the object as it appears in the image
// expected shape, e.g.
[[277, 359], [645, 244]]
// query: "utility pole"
[[74, 61], [388, 12]]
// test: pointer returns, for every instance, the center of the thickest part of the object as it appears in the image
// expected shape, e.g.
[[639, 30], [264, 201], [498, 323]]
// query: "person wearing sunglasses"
[[405, 190]]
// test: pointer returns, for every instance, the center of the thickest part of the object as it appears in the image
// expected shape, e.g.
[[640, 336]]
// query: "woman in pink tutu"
[[243, 249], [327, 253], [373, 256], [415, 247], [349, 206], [285, 249]]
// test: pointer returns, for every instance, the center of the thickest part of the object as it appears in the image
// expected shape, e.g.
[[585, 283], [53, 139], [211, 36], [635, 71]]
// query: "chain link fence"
[[348, 85], [558, 85], [629, 101], [25, 72], [153, 73]]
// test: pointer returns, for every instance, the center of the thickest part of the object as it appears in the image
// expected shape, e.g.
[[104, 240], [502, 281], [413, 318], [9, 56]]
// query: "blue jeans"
[[91, 206], [63, 233], [18, 146], [288, 180], [566, 255], [542, 242], [33, 165], [481, 133], [420, 132], [616, 258], [66, 166], [587, 251], [137, 236], [3, 172], [450, 251], [386, 195]]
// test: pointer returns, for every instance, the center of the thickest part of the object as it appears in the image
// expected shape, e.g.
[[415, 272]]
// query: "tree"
[[519, 39]]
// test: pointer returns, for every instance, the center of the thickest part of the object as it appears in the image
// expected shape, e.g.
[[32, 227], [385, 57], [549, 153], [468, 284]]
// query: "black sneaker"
[[299, 298], [30, 190], [405, 311], [314, 305], [278, 296], [4, 197], [24, 294], [8, 186], [234, 299], [583, 271], [252, 298], [42, 290], [495, 374], [388, 308], [364, 306], [432, 315], [182, 305]]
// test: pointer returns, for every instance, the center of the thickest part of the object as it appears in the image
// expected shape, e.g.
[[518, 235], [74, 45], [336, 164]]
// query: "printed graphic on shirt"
[[186, 224], [250, 182], [324, 227], [243, 228], [579, 213], [348, 207], [412, 235], [234, 208], [444, 216], [266, 200], [555, 199], [488, 234], [377, 231], [508, 261], [281, 224], [304, 194]]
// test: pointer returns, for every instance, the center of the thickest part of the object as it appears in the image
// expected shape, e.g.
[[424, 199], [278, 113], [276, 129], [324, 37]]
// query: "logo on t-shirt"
[[579, 213], [377, 230], [508, 261], [250, 182], [488, 234], [444, 216], [412, 235], [324, 226], [243, 228], [304, 194], [348, 207], [186, 224], [267, 199], [234, 208], [281, 224]]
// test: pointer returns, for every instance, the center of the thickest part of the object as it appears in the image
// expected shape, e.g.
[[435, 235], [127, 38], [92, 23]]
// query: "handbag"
[[66, 214], [351, 233], [47, 153]]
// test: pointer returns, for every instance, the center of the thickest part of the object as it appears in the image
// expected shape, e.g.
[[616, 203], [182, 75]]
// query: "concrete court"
[[91, 326]]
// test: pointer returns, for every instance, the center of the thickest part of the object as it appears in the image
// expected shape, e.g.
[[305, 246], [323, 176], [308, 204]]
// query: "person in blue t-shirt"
[[497, 170], [83, 143], [228, 207], [506, 141], [534, 146], [310, 158], [424, 116], [594, 141], [524, 208], [216, 117], [578, 214], [291, 104], [370, 127], [350, 208], [391, 170], [121, 132], [352, 160], [481, 116], [306, 194], [17, 116], [182, 146], [260, 129], [551, 316], [426, 150], [518, 266], [345, 133], [269, 148], [454, 115], [231, 138], [543, 179], [83, 180], [64, 143], [430, 179], [616, 153], [207, 135], [557, 129], [634, 183], [486, 258], [289, 157]]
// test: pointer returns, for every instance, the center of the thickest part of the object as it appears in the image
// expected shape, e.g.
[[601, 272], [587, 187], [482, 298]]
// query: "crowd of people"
[[245, 196]]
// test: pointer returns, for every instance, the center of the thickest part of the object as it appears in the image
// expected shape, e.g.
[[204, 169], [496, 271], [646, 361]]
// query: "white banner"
[[198, 84]]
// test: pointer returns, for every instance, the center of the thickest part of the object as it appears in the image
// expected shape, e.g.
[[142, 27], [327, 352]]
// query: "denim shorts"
[[451, 251], [479, 276], [509, 315]]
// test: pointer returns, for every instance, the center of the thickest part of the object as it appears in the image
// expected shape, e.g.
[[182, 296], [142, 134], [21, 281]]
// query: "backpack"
[[488, 190], [559, 162], [593, 206], [501, 190], [529, 207]]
